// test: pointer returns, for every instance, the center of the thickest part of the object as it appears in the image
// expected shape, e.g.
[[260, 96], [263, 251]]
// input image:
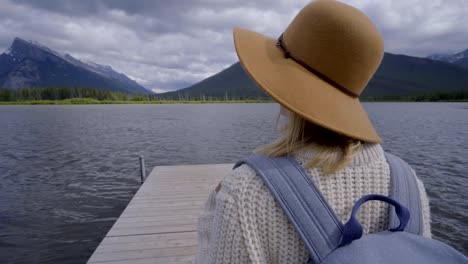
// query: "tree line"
[[424, 97], [56, 93], [63, 93]]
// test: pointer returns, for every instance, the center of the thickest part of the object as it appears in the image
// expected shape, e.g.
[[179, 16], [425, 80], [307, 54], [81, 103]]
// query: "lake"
[[67, 172]]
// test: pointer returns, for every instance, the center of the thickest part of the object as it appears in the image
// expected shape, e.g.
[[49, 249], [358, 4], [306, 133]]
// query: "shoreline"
[[104, 102]]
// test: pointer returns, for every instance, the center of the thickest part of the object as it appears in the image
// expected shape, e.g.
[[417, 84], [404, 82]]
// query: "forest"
[[77, 95]]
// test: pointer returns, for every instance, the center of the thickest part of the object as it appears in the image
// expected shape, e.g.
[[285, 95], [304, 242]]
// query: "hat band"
[[288, 55]]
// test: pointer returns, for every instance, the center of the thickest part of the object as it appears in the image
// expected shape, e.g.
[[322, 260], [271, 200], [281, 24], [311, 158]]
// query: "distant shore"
[[88, 101], [79, 96]]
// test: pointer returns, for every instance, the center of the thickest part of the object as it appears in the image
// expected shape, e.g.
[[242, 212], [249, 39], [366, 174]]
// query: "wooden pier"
[[159, 224]]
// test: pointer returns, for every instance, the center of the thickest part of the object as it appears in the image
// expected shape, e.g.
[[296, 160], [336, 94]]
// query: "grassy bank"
[[90, 101], [83, 101], [104, 102], [76, 95], [415, 101]]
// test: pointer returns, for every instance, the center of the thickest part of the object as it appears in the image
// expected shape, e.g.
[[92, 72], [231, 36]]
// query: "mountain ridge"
[[458, 58], [29, 64], [398, 75]]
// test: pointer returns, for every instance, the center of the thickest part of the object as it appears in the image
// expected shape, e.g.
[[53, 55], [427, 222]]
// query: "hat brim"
[[299, 90]]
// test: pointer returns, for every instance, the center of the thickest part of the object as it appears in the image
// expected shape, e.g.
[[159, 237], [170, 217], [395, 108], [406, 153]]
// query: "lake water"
[[67, 172]]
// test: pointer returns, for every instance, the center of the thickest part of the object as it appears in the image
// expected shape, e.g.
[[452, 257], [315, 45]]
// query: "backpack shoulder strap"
[[404, 188], [306, 208]]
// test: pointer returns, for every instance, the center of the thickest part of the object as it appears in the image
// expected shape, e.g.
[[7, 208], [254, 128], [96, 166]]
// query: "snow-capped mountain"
[[459, 58], [29, 64]]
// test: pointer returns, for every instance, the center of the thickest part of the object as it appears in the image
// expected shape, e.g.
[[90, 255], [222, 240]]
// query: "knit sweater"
[[242, 223]]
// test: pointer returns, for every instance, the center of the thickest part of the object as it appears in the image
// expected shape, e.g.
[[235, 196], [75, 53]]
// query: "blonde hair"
[[334, 151]]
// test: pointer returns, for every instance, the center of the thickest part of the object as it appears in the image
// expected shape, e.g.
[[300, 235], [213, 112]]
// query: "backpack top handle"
[[353, 229]]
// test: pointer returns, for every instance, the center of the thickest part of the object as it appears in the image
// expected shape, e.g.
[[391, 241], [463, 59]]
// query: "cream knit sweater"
[[242, 223]]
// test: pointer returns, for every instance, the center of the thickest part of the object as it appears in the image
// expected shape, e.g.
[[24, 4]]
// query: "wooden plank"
[[159, 204], [156, 260], [147, 238], [159, 223], [175, 197], [181, 212], [180, 242], [152, 219], [142, 254], [152, 229], [177, 221]]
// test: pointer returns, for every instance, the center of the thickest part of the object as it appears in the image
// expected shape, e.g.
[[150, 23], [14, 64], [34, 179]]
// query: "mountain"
[[231, 83], [402, 75], [28, 64], [398, 75], [459, 58]]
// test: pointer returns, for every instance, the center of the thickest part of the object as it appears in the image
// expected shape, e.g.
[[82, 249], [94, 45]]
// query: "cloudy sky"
[[170, 44]]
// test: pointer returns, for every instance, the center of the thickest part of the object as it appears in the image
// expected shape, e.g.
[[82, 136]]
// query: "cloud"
[[158, 90], [172, 44]]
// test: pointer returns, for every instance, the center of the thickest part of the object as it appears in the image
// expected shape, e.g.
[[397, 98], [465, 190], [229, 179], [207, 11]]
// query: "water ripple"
[[67, 172]]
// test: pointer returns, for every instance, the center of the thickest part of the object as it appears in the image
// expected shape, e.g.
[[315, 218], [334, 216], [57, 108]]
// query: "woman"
[[316, 70]]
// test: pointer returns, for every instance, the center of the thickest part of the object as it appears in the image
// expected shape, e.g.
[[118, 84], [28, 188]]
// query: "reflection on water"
[[67, 172]]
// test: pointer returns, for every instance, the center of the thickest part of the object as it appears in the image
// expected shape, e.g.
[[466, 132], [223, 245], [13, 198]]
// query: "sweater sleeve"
[[219, 231], [242, 223], [204, 224]]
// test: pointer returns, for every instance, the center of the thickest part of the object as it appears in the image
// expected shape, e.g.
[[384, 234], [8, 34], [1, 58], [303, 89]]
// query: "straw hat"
[[319, 66]]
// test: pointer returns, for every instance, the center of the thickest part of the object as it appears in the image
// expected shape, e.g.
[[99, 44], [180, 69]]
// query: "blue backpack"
[[329, 241]]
